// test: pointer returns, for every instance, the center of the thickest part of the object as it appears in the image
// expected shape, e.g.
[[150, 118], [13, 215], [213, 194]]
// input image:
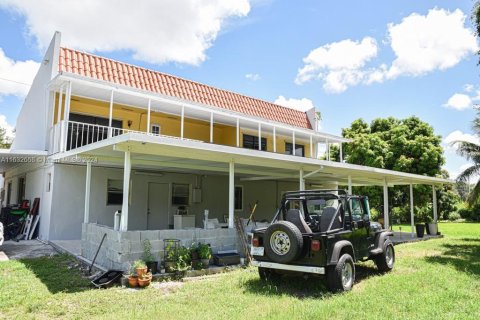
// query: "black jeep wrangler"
[[322, 232]]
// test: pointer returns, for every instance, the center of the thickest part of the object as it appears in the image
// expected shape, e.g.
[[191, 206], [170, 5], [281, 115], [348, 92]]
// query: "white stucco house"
[[95, 136]]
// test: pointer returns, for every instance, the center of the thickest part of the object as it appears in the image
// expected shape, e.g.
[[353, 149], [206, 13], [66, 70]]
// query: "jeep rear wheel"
[[341, 276], [267, 274], [386, 260], [283, 242]]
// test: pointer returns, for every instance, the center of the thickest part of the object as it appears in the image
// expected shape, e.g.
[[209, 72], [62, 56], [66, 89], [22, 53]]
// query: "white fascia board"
[[129, 140], [9, 152], [64, 76]]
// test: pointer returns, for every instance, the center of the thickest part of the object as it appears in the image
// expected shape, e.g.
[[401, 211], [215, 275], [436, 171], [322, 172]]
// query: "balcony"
[[83, 115]]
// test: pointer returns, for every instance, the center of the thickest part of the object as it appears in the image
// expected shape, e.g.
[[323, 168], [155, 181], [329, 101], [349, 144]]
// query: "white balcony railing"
[[65, 136]]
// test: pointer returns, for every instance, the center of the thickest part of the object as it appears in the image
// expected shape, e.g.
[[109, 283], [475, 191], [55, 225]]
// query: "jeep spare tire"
[[283, 242]]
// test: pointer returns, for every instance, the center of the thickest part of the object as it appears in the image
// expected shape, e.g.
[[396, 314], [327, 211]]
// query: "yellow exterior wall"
[[170, 124]]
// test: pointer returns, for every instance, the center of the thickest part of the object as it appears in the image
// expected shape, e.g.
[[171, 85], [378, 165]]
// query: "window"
[[155, 129], [299, 149], [180, 194], [114, 192], [357, 210], [21, 190], [251, 142], [238, 198]]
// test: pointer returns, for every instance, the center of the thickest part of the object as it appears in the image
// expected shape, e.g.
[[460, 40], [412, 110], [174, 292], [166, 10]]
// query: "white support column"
[[60, 105], [293, 143], [412, 214], [66, 115], [211, 127], [311, 146], [126, 191], [350, 185], [238, 132], [259, 136], [274, 139], [434, 204], [231, 194], [110, 115], [340, 145], [149, 109], [182, 122], [385, 204], [88, 178], [301, 180]]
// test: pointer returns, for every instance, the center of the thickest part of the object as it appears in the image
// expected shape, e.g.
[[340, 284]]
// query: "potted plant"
[[204, 253], [194, 251], [148, 257], [170, 258], [432, 227], [140, 267], [184, 260], [144, 280], [133, 279]]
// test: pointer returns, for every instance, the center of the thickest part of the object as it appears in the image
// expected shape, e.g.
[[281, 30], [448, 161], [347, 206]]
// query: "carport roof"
[[155, 153]]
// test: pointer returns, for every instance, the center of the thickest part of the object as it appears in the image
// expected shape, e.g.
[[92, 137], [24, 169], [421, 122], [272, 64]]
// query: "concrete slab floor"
[[11, 250]]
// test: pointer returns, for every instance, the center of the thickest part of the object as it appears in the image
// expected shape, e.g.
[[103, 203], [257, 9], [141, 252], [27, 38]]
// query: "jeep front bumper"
[[288, 267]]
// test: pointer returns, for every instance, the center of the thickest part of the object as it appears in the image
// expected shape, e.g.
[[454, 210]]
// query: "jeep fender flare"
[[337, 249], [381, 238]]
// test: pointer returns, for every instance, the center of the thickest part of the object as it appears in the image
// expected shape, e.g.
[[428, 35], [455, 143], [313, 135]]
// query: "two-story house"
[[97, 136]]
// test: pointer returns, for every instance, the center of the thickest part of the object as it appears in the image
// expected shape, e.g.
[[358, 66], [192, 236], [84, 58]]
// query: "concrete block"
[[130, 236], [149, 235]]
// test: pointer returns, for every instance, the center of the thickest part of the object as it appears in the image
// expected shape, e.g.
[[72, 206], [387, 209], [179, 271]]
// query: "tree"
[[471, 151], [5, 142], [407, 145]]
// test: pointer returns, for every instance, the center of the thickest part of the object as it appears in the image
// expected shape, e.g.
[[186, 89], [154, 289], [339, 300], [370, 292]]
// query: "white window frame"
[[157, 126]]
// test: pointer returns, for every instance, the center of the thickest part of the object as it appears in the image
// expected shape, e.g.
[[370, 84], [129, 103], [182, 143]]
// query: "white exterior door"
[[158, 204]]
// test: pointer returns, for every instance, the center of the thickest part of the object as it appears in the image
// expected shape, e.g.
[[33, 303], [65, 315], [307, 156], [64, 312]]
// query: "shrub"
[[454, 216]]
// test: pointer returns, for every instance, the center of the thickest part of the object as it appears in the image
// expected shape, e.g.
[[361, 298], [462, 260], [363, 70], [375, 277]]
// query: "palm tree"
[[471, 151]]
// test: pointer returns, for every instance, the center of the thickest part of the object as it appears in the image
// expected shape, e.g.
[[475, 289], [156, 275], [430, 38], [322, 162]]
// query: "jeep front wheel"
[[341, 276], [386, 259]]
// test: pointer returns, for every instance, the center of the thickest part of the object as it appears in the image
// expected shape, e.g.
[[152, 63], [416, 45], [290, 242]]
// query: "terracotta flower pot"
[[132, 281], [141, 271], [144, 282]]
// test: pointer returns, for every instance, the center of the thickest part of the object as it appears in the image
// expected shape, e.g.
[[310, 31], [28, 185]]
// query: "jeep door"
[[360, 228]]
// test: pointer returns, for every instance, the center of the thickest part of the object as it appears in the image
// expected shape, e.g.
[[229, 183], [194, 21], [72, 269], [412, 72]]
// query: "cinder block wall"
[[120, 249]]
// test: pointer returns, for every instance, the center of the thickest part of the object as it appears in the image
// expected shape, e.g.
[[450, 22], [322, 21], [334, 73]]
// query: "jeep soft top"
[[322, 232]]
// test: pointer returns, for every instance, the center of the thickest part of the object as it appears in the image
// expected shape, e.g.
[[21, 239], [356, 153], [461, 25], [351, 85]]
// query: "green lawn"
[[435, 279]]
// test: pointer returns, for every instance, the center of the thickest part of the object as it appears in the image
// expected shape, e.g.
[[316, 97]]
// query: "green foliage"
[[470, 213], [407, 145], [5, 142], [454, 216], [147, 251], [184, 259], [204, 251], [139, 264]]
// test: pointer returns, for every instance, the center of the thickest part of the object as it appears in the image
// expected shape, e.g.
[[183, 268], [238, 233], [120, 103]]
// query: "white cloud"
[[9, 129], [154, 31], [436, 41], [421, 44], [468, 87], [457, 135], [15, 76], [303, 104], [253, 76], [459, 101], [338, 64]]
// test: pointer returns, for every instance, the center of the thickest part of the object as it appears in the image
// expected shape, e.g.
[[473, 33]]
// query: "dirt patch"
[[167, 286]]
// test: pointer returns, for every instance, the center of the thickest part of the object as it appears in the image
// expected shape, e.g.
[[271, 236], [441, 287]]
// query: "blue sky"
[[269, 40]]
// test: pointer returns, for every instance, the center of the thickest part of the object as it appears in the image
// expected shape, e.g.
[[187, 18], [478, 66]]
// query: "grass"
[[435, 279]]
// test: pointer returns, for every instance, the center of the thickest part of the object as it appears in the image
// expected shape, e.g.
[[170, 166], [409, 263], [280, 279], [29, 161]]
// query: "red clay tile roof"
[[96, 67]]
